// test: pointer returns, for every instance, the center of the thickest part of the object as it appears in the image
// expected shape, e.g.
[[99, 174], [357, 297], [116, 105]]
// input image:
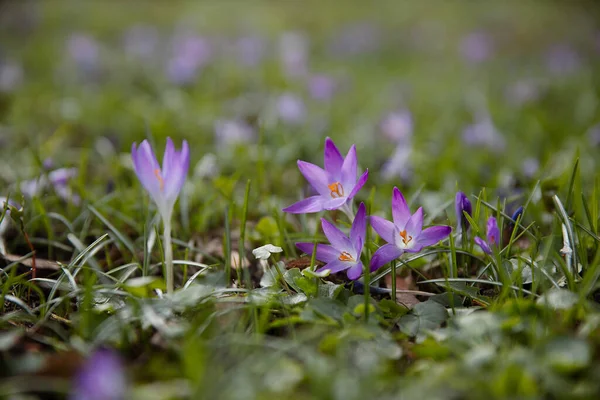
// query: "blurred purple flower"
[[321, 87], [483, 133], [11, 76], [84, 50], [562, 59], [336, 184], [163, 184], [291, 108], [293, 50], [232, 131], [522, 92], [356, 39], [141, 42], [102, 377], [399, 164], [397, 126], [344, 252], [251, 50], [189, 54], [404, 234], [530, 167], [593, 135], [58, 179], [476, 47], [492, 236]]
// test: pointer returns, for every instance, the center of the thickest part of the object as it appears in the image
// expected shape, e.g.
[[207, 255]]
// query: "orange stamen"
[[337, 190], [160, 179], [405, 237], [345, 256]]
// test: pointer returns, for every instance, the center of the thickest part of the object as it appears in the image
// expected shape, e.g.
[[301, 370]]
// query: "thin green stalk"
[[393, 292], [227, 248], [168, 247], [246, 271]]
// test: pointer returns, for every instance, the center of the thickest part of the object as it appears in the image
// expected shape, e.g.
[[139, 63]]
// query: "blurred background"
[[434, 94]]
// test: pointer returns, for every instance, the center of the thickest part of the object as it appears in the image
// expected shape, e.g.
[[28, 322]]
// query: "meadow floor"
[[441, 154]]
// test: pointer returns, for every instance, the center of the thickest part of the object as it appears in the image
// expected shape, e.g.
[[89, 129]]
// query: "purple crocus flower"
[[58, 179], [405, 233], [101, 378], [84, 50], [462, 204], [291, 109], [397, 126], [476, 47], [251, 50], [321, 87], [164, 184], [492, 236], [344, 252], [336, 184], [11, 76]]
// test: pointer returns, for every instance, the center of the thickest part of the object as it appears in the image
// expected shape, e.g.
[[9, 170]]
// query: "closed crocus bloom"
[[492, 236], [336, 184], [344, 252], [405, 233], [462, 205], [163, 184]]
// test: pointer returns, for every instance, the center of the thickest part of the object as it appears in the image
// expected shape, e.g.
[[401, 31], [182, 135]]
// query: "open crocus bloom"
[[344, 252], [163, 184], [405, 234], [492, 235], [336, 184]]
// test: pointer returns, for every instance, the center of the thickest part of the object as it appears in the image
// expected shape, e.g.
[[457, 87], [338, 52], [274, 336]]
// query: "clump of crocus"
[[462, 205], [492, 236], [58, 179], [336, 184], [405, 233], [101, 378], [344, 252], [163, 185]]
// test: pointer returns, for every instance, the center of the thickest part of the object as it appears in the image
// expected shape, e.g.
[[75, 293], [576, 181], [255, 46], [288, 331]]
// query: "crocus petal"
[[333, 158], [176, 172], [384, 255], [355, 271], [414, 225], [359, 227], [325, 252], [335, 266], [432, 235], [308, 205], [349, 168], [400, 210], [359, 184], [334, 204], [483, 244], [316, 176], [146, 167], [384, 228], [337, 238], [493, 232]]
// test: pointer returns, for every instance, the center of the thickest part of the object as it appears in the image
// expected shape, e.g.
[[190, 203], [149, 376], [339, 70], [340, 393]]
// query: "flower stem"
[[168, 248]]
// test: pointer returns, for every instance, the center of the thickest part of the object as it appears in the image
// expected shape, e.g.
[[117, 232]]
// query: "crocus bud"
[[462, 204], [517, 214]]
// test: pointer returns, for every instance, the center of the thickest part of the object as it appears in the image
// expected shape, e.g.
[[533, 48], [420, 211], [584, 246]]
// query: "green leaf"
[[558, 299], [422, 318], [567, 354]]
